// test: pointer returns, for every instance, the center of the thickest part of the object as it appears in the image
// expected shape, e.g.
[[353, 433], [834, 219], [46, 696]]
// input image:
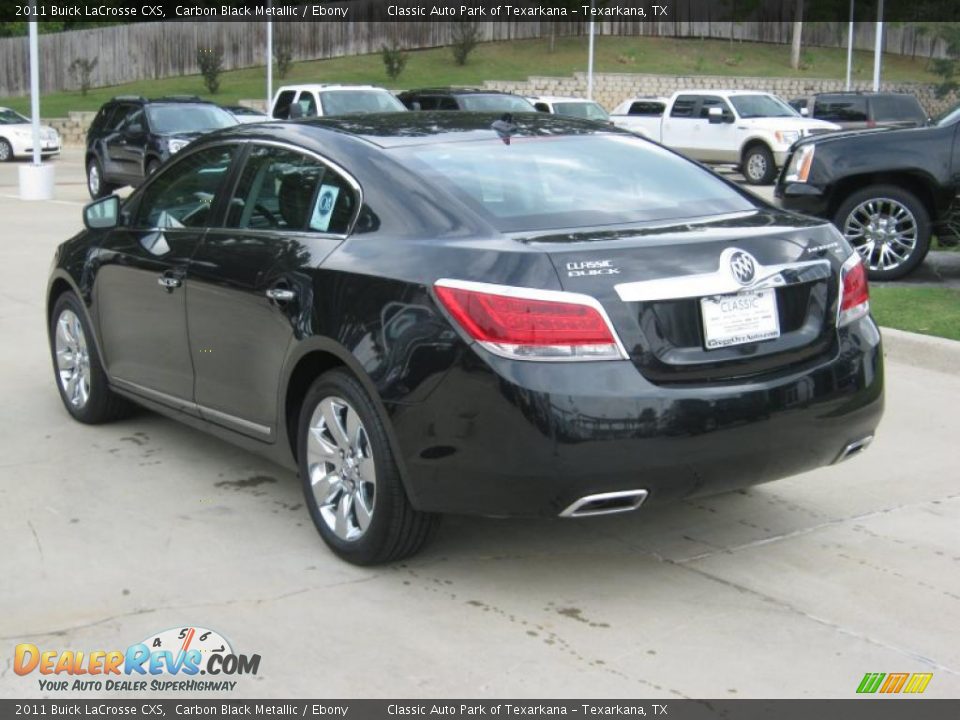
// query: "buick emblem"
[[743, 267]]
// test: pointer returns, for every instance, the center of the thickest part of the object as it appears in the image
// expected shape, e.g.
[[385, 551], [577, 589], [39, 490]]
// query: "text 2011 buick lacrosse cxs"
[[469, 313]]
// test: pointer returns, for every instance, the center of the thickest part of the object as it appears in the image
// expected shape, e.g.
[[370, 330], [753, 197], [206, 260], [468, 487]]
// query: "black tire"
[[6, 151], [102, 404], [758, 165], [396, 530], [103, 188], [913, 206]]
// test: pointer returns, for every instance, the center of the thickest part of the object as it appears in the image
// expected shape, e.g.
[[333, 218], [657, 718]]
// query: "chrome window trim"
[[351, 180], [722, 281], [180, 403], [537, 294]]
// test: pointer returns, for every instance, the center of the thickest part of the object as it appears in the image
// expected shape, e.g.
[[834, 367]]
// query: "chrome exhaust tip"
[[854, 448], [606, 503]]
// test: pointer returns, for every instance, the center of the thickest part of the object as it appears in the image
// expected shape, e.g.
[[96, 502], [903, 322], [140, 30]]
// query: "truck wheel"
[[888, 226], [758, 166], [351, 482]]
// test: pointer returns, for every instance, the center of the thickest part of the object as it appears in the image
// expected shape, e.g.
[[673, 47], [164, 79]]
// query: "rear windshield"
[[180, 117], [543, 183], [345, 102], [495, 103], [585, 110], [897, 107]]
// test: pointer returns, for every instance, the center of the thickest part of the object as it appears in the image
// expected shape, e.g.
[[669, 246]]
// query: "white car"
[[296, 101], [752, 130], [570, 107], [16, 137]]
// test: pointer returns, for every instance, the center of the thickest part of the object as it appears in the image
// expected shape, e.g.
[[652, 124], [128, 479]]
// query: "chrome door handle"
[[281, 294], [168, 283]]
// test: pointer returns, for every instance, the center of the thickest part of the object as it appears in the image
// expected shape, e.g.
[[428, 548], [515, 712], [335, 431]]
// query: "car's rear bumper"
[[499, 437]]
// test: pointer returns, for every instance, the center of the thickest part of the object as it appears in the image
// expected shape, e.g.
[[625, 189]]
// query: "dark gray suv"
[[858, 110]]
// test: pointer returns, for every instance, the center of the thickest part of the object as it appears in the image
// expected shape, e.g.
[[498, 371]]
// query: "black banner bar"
[[86, 11], [854, 709]]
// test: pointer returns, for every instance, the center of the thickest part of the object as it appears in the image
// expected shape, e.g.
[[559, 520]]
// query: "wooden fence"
[[144, 51]]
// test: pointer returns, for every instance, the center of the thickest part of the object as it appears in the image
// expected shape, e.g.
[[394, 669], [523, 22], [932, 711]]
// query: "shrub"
[[283, 54], [210, 61], [465, 38], [394, 60], [81, 69]]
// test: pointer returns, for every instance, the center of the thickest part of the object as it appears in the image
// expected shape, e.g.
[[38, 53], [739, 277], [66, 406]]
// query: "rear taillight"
[[527, 324], [854, 293]]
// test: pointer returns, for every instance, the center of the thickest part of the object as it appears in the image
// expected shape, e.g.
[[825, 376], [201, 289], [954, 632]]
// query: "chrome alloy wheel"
[[93, 179], [73, 359], [756, 166], [883, 231], [341, 468], [6, 152]]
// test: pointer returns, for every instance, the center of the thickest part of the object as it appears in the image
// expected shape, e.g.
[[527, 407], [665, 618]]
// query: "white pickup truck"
[[751, 130]]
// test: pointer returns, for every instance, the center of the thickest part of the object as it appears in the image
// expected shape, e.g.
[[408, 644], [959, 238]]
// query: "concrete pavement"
[[793, 589]]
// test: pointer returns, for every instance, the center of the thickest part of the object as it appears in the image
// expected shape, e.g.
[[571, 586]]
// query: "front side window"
[[709, 101], [182, 195], [308, 104], [182, 117], [540, 183], [281, 189], [346, 102]]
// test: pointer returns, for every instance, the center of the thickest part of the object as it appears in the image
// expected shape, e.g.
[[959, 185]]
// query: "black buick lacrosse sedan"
[[469, 313]]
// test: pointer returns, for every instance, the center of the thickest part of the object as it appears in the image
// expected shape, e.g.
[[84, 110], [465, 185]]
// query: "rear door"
[[251, 283], [681, 126]]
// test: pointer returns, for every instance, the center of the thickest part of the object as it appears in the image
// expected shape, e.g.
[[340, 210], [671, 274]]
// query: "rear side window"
[[281, 109], [542, 107], [897, 107], [280, 189], [447, 103], [646, 107], [841, 109], [683, 106]]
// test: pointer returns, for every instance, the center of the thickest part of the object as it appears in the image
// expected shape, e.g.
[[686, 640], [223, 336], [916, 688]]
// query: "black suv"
[[472, 99], [857, 110], [131, 136], [887, 190]]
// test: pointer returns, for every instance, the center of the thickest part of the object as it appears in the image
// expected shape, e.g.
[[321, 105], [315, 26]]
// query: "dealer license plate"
[[744, 317]]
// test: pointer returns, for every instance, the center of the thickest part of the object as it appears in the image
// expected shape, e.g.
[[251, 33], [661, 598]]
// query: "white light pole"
[[36, 179], [590, 58], [269, 61], [878, 48], [850, 46]]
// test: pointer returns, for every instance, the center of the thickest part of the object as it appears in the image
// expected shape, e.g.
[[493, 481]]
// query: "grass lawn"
[[930, 311], [515, 61]]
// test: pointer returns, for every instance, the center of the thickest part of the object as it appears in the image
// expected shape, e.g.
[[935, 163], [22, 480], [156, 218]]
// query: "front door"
[[142, 269], [250, 290]]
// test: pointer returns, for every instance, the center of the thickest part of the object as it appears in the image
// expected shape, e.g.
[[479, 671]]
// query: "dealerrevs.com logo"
[[168, 661]]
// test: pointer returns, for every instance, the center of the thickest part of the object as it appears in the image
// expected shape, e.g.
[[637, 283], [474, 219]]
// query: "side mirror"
[[805, 111], [102, 214], [715, 115]]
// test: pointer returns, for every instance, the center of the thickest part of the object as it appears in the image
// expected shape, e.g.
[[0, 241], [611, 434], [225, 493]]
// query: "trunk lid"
[[651, 280]]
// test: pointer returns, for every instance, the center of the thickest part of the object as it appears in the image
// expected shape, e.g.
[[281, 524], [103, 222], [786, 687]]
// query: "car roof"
[[330, 86], [457, 91], [390, 130], [559, 98], [726, 93]]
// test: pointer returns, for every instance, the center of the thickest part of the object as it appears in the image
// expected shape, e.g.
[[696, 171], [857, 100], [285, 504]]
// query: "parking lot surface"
[[798, 588]]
